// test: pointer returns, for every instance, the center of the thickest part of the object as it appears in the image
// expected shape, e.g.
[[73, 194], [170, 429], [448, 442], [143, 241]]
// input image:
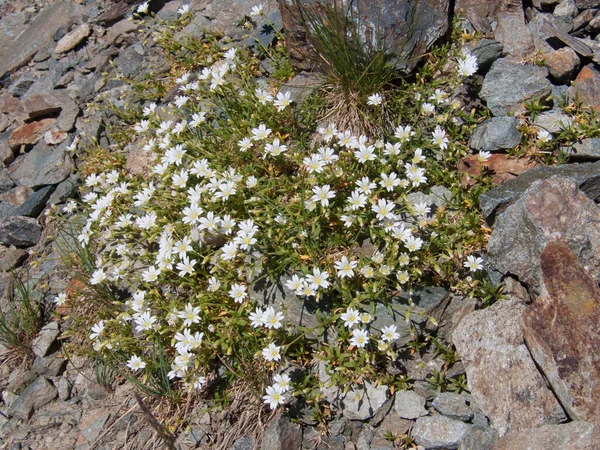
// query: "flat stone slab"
[[573, 436]]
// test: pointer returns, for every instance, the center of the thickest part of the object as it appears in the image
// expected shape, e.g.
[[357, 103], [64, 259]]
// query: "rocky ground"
[[530, 361]]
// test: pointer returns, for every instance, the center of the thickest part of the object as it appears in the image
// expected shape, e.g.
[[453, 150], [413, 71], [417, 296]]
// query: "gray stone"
[[455, 406], [129, 63], [42, 166], [497, 133], [65, 190], [49, 366], [39, 393], [64, 389], [16, 52], [7, 209], [553, 121], [409, 405], [92, 423], [566, 8], [575, 435], [550, 209], [490, 340], [508, 85], [11, 258], [46, 337], [362, 402], [439, 432], [73, 39], [514, 35], [479, 439], [20, 87], [6, 182], [7, 155], [585, 150], [243, 443], [495, 201], [583, 19], [281, 434], [486, 51], [302, 85], [562, 64], [35, 204], [438, 196], [19, 231]]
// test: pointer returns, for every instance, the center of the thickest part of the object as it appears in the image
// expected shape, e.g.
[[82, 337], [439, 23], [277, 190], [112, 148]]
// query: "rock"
[[567, 352], [585, 150], [39, 105], [550, 209], [486, 51], [489, 341], [6, 153], [119, 29], [243, 443], [6, 182], [409, 405], [514, 35], [553, 121], [302, 85], [64, 389], [7, 209], [562, 64], [46, 337], [17, 196], [583, 19], [42, 166], [455, 406], [281, 434], [11, 258], [586, 87], [500, 167], [30, 133], [54, 136], [439, 432], [49, 366], [508, 85], [573, 436], [438, 196], [35, 204], [19, 231], [479, 439], [91, 425], [362, 402], [65, 190], [20, 87], [482, 14], [566, 8], [73, 39], [129, 63], [39, 393], [389, 18], [582, 4], [495, 201], [497, 133], [15, 53]]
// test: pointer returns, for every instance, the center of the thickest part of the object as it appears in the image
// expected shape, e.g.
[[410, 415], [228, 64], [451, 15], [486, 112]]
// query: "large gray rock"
[[439, 432], [497, 133], [495, 201], [409, 405], [42, 166], [515, 35], [35, 204], [486, 51], [362, 402], [553, 121], [17, 51], [281, 434], [550, 209], [455, 406], [585, 150], [39, 393], [573, 436], [502, 377], [73, 39], [46, 337], [19, 231], [508, 85]]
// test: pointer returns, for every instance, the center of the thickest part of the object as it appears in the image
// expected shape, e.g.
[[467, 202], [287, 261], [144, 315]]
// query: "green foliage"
[[21, 319]]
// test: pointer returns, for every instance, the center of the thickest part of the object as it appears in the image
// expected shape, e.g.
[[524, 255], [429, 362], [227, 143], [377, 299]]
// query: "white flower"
[[345, 268], [357, 200], [213, 284], [190, 315], [272, 318], [282, 100], [97, 330], [272, 352], [544, 136], [439, 138], [404, 133], [60, 299], [144, 321], [360, 338], [283, 381], [403, 277], [389, 182], [421, 209], [365, 153], [322, 194], [389, 333], [135, 363], [473, 263], [427, 108], [183, 9], [274, 396], [365, 185], [143, 8], [318, 279], [257, 10], [197, 119], [263, 96], [238, 292], [275, 149], [257, 318], [467, 66], [483, 156], [98, 277], [351, 317], [260, 133], [413, 243], [383, 209], [374, 100]]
